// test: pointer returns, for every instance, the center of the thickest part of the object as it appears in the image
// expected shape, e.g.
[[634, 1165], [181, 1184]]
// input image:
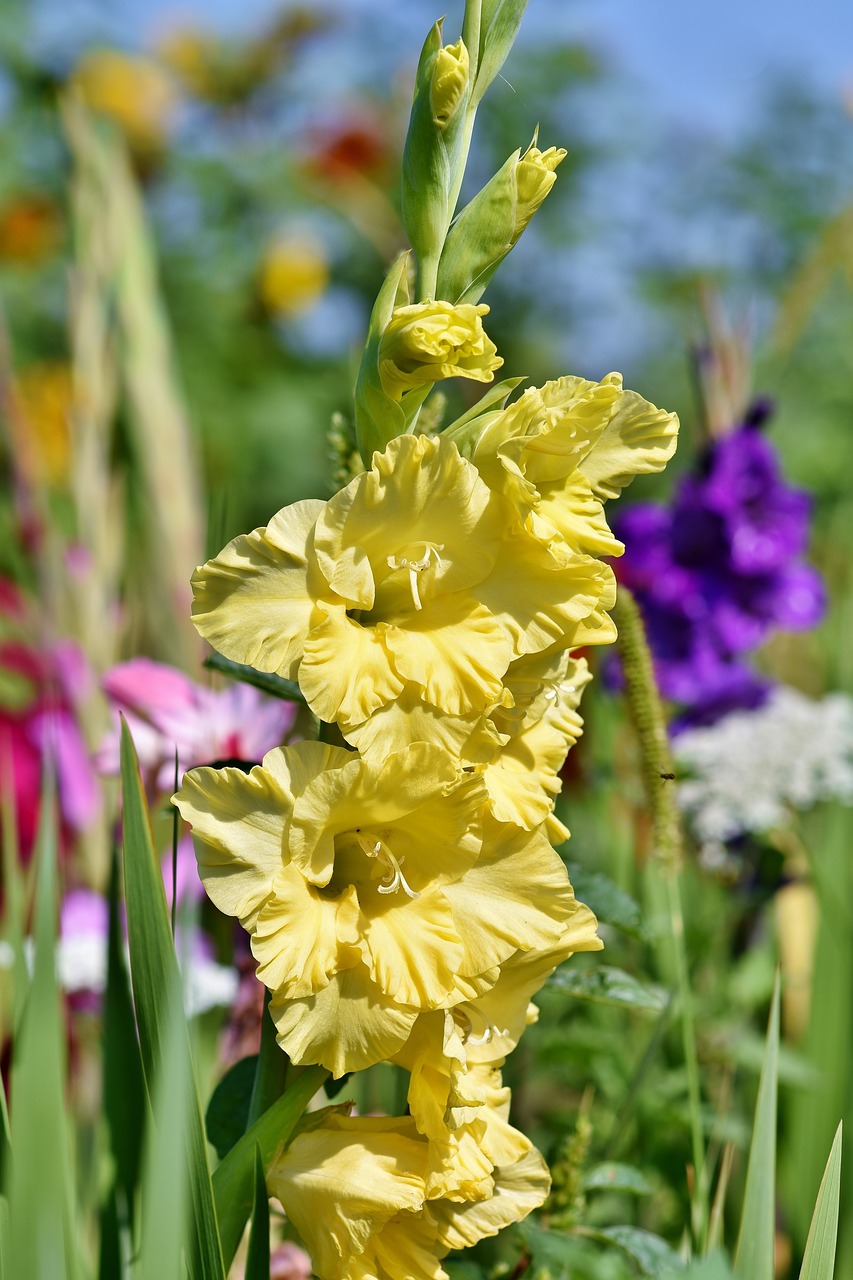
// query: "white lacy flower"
[[747, 770]]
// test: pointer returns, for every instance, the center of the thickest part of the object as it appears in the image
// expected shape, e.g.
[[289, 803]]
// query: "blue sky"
[[702, 63]]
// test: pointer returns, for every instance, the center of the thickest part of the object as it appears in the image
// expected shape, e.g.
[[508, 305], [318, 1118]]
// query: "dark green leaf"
[[276, 686], [610, 904], [756, 1239], [233, 1181], [606, 985], [258, 1258], [617, 1177], [228, 1110], [154, 974], [124, 1098], [652, 1255]]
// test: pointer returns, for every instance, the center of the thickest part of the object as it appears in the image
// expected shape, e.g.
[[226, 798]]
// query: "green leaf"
[[607, 901], [276, 686], [154, 973], [714, 1267], [606, 985], [228, 1110], [493, 399], [164, 1197], [258, 1258], [652, 1255], [233, 1180], [617, 1177], [41, 1243], [124, 1098], [819, 1257], [499, 24], [756, 1240]]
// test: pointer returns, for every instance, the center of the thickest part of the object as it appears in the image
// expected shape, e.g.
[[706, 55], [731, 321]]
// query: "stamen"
[[394, 878], [417, 566]]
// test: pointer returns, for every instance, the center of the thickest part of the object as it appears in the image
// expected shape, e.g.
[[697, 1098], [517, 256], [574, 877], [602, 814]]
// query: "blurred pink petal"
[[58, 737]]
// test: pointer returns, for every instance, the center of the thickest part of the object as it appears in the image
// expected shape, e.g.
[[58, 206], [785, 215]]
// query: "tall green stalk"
[[647, 716]]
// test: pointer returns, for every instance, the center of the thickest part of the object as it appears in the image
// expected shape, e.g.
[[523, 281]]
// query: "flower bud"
[[535, 176], [432, 340], [434, 154], [449, 81], [489, 226]]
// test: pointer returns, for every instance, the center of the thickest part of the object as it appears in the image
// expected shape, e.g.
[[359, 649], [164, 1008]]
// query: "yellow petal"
[[347, 670], [253, 601], [639, 439], [519, 1189], [297, 936], [408, 719], [415, 950], [238, 821], [341, 1183], [455, 651], [347, 1026]]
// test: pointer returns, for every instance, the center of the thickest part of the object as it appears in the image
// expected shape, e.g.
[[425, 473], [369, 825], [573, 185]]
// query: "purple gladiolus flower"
[[718, 570]]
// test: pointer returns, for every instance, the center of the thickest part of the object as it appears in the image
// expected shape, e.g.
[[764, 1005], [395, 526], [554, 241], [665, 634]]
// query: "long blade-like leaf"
[[258, 1257], [756, 1239], [154, 973], [41, 1243], [819, 1258], [233, 1180]]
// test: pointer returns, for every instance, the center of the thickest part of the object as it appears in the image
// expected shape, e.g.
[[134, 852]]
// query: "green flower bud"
[[489, 226], [434, 155]]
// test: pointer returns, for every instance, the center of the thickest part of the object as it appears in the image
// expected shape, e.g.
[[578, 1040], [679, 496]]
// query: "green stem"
[[271, 1071], [647, 716]]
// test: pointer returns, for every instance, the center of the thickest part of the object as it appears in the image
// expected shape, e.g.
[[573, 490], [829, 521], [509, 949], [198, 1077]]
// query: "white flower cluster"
[[746, 771]]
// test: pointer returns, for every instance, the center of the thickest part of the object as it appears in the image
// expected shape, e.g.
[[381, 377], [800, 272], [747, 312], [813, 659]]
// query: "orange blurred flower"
[[30, 228]]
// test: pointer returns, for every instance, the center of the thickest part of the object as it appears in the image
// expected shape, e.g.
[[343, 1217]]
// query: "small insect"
[[668, 777]]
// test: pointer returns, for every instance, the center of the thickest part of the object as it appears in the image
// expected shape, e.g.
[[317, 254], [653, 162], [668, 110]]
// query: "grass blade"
[[41, 1244], [756, 1239], [154, 973], [258, 1258], [164, 1201], [125, 1099], [819, 1258], [233, 1180]]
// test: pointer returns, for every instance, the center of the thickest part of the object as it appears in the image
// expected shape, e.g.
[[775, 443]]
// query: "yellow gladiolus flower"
[[369, 890], [560, 451], [412, 586], [427, 341]]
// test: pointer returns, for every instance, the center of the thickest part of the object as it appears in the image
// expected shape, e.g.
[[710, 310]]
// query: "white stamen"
[[394, 878], [416, 567]]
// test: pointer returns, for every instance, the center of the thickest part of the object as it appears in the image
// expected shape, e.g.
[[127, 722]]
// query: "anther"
[[417, 566], [394, 878]]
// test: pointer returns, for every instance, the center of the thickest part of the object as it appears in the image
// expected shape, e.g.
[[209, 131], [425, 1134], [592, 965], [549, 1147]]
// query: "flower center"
[[416, 559], [394, 878]]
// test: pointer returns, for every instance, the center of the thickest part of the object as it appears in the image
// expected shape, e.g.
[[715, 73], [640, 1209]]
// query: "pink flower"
[[166, 711]]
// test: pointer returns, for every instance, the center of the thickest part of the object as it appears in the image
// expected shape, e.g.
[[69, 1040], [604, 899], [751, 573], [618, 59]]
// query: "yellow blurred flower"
[[293, 274], [30, 228], [427, 341], [44, 398], [368, 889], [560, 451], [133, 91], [412, 589]]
